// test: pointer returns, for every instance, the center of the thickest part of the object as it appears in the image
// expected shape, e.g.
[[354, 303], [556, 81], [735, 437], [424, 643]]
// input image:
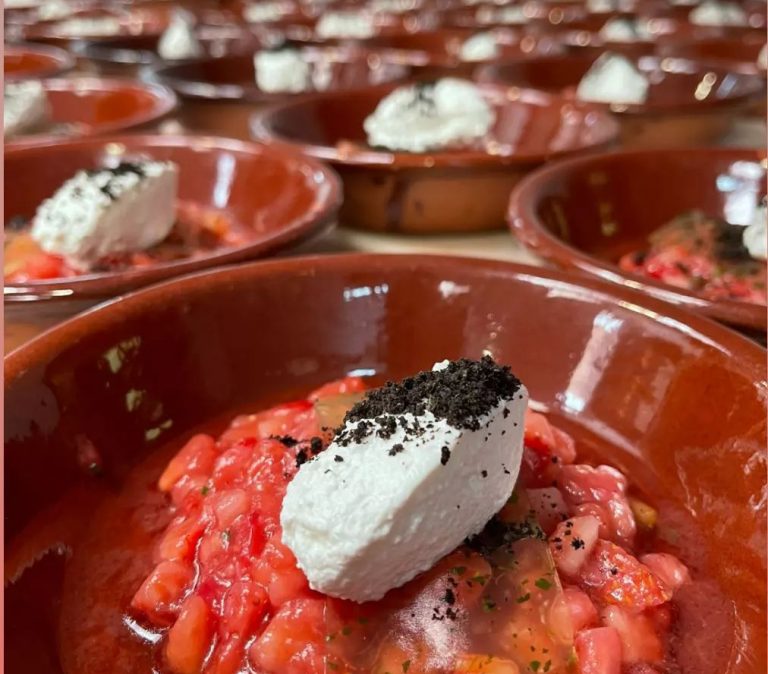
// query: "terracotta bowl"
[[438, 53], [482, 16], [128, 56], [22, 61], [587, 212], [689, 103], [455, 190], [640, 384], [220, 95], [85, 106], [273, 198], [739, 53]]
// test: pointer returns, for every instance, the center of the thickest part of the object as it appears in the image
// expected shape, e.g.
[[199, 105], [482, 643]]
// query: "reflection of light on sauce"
[[450, 289], [365, 291], [225, 172], [608, 225], [704, 87], [143, 633]]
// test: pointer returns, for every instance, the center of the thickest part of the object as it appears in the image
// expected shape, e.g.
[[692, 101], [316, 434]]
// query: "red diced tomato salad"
[[569, 595]]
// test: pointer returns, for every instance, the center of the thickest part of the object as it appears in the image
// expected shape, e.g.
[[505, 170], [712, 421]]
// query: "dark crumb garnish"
[[301, 457], [577, 543], [287, 440], [396, 449], [484, 473], [461, 394], [729, 243], [498, 533], [445, 455], [316, 445], [450, 597], [122, 169], [16, 223], [338, 459]]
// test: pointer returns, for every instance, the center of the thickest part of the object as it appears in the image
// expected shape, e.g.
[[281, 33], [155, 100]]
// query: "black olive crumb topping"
[[338, 459], [445, 455], [396, 449]]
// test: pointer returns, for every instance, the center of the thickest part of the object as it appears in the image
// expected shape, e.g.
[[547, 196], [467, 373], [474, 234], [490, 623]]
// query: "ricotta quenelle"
[[259, 12], [25, 107], [179, 40], [417, 467], [755, 235], [430, 116], [614, 79], [479, 47], [129, 207], [349, 24], [715, 13], [508, 16], [97, 26], [282, 71], [622, 29]]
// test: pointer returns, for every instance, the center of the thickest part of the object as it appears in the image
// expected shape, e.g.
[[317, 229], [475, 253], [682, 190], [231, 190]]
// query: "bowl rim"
[[262, 121], [164, 102], [122, 308], [525, 224], [316, 219], [61, 60]]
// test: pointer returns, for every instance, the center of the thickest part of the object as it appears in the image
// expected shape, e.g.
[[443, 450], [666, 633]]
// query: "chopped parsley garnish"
[[522, 599], [543, 584]]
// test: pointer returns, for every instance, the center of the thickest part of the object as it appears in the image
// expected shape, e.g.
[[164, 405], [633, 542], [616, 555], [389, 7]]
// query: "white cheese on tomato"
[[282, 71], [113, 210], [370, 513], [179, 40], [259, 12], [348, 24], [625, 30], [100, 26], [25, 107], [480, 47], [614, 79], [715, 13], [422, 117]]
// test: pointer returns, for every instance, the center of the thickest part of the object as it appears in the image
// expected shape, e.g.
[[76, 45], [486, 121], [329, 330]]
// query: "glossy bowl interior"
[[273, 198], [587, 212], [640, 384], [34, 61], [85, 106]]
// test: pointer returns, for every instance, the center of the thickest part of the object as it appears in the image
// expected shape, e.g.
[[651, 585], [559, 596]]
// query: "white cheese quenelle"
[[346, 24], [25, 107], [613, 78], [622, 29], [430, 116], [179, 40], [96, 26], [130, 207], [417, 468], [282, 71], [716, 13], [480, 47]]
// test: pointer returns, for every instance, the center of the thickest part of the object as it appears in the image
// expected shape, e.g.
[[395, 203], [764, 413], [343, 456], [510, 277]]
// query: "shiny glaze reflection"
[[234, 77], [35, 61], [639, 383], [587, 212], [85, 106], [295, 199]]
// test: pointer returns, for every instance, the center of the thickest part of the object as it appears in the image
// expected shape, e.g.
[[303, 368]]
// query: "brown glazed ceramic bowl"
[[587, 212], [672, 399], [451, 190], [33, 61], [86, 106], [438, 53], [127, 56], [220, 95], [689, 103], [739, 53], [273, 199]]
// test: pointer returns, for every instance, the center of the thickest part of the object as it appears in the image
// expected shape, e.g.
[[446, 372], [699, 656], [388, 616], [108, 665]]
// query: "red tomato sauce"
[[184, 572], [196, 230]]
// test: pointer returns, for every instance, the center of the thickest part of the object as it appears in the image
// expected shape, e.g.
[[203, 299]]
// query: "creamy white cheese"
[[101, 26], [422, 117], [25, 107], [179, 41], [755, 235], [282, 71], [394, 6], [613, 79], [509, 16], [715, 13], [622, 29], [480, 47], [349, 24], [112, 210], [258, 12], [369, 516], [603, 6], [52, 10]]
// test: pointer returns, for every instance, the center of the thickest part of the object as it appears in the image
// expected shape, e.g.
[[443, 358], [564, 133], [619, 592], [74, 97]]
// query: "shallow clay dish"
[[739, 53], [128, 55], [639, 384], [272, 198], [689, 103], [452, 190], [220, 95], [587, 212], [86, 106], [438, 53], [28, 61]]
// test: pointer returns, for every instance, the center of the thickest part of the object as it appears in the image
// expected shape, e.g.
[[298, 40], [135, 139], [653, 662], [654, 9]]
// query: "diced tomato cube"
[[181, 537], [549, 506], [244, 605], [161, 591], [668, 569], [565, 447], [639, 641], [538, 432], [600, 513], [195, 458], [189, 638], [613, 576], [228, 657], [581, 609], [585, 484], [228, 506], [572, 543], [44, 266], [599, 651]]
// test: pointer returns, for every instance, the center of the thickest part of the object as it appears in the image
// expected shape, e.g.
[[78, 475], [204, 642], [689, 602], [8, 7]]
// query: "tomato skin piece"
[[189, 637], [613, 576], [599, 651]]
